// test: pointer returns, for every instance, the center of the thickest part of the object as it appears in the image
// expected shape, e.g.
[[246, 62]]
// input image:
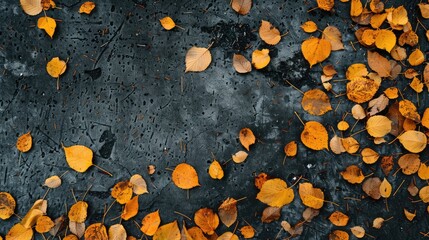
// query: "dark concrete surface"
[[126, 96]]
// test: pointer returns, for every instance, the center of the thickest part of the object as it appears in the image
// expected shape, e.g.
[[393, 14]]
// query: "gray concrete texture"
[[126, 96]]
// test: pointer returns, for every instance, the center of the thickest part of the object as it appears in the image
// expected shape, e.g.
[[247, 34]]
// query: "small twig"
[[299, 118], [74, 197], [299, 90], [400, 185], [107, 210], [84, 195], [183, 215], [103, 170]]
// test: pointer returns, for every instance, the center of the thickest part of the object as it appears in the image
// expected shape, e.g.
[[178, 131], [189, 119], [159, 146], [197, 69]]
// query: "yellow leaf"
[[185, 177], [378, 126], [53, 182], [167, 23], [378, 222], [399, 16], [228, 236], [309, 27], [425, 118], [228, 211], [385, 40], [247, 138], [44, 224], [268, 33], [139, 184], [314, 136], [391, 93], [424, 10], [241, 6], [316, 102], [260, 58], [197, 234], [70, 237], [333, 35], [239, 157], [78, 212], [409, 163], [310, 196], [350, 145], [117, 232], [356, 8], [416, 57], [78, 157], [315, 50], [24, 142], [19, 232], [413, 141], [215, 170], [247, 231], [207, 220], [385, 188], [31, 7], [339, 219], [291, 149], [343, 125], [358, 231], [150, 223], [424, 194], [275, 193], [369, 156], [378, 19], [326, 5], [131, 208], [241, 64], [197, 59], [31, 217], [356, 71], [353, 174], [96, 231], [379, 64], [7, 205], [48, 24], [361, 89], [416, 85], [409, 110], [409, 215], [56, 67], [87, 7], [122, 192]]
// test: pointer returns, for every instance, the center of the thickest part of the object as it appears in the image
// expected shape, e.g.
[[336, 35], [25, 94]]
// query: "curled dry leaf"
[[369, 156], [315, 50], [215, 170], [122, 192], [197, 59], [19, 232], [260, 180], [117, 232], [247, 138], [53, 182], [261, 58], [87, 7], [78, 157], [333, 35], [275, 193], [48, 24], [314, 136], [409, 215], [291, 149], [241, 6], [228, 211], [378, 222], [371, 186], [329, 70], [413, 141], [247, 231], [326, 5], [31, 7], [139, 184], [96, 231], [239, 157], [241, 64], [268, 33], [131, 208], [362, 89], [78, 212], [378, 126], [150, 223], [385, 188], [167, 23], [207, 220], [151, 169], [44, 224], [185, 177], [309, 27], [353, 174], [24, 142], [271, 214], [7, 205], [310, 196], [316, 102], [358, 231], [339, 219]]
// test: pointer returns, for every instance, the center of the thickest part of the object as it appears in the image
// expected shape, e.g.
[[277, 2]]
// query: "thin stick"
[[388, 219], [299, 90], [334, 203], [240, 199], [313, 9], [183, 215], [180, 27], [16, 215], [19, 159], [302, 122], [235, 228], [362, 130], [46, 193], [74, 197], [284, 34], [84, 195], [284, 159], [300, 177], [387, 205], [354, 125], [352, 198], [278, 234], [62, 175], [105, 213], [103, 170], [400, 185], [169, 169]]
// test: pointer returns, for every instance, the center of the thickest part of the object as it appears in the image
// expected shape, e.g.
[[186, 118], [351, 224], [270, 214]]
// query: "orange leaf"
[[356, 71], [358, 231], [409, 215], [197, 234], [385, 188], [56, 67], [131, 208], [247, 231], [353, 174], [44, 224], [228, 211], [122, 192], [150, 223], [326, 5], [314, 136], [260, 180], [215, 170], [24, 142], [378, 126], [339, 219], [424, 9], [271, 214], [268, 33], [416, 57], [309, 27], [356, 8], [424, 194], [31, 7], [241, 6], [316, 102], [78, 212], [361, 89], [87, 7], [247, 138], [275, 193], [413, 141], [369, 156], [310, 196], [350, 144], [228, 236], [207, 220], [241, 64], [423, 171], [260, 58], [315, 50], [7, 205], [409, 110], [197, 59], [48, 24], [96, 231], [339, 234], [409, 163], [291, 149], [185, 177], [19, 232], [167, 23], [333, 35], [385, 40]]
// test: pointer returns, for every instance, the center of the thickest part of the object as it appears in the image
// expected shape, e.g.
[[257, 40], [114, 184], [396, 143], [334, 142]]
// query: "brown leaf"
[[268, 33], [339, 219], [377, 105], [314, 136], [260, 180], [228, 211], [397, 119], [412, 189], [336, 145], [207, 220], [241, 6], [77, 229], [409, 163], [371, 186], [316, 102], [387, 164], [241, 64], [117, 232], [339, 234], [271, 214], [379, 64], [247, 138], [333, 35], [353, 174], [315, 50], [139, 184], [309, 214]]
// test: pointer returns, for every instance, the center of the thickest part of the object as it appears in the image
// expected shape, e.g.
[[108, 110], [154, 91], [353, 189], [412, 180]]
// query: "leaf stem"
[[183, 215], [299, 118], [103, 170]]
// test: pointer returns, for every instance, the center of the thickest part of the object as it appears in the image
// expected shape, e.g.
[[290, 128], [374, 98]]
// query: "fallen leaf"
[[387, 164], [377, 105], [399, 16], [397, 119], [271, 214], [336, 145], [260, 180], [24, 142], [260, 58], [207, 220], [197, 59], [247, 138], [416, 85], [409, 215], [151, 169], [413, 141], [343, 125], [314, 136], [378, 126], [19, 232], [329, 70], [356, 71], [7, 205], [239, 157], [71, 237], [398, 53], [409, 163], [326, 5], [122, 192], [310, 196], [315, 50], [391, 93], [96, 231], [385, 188], [369, 156], [185, 177], [416, 57], [247, 231], [309, 27], [31, 217], [333, 35], [378, 223], [48, 24], [77, 229], [356, 8], [150, 223], [131, 208], [339, 219], [385, 40], [228, 211], [376, 6], [31, 7], [310, 213], [56, 67], [361, 89], [408, 37], [197, 234], [424, 194], [379, 64], [424, 9], [350, 145], [215, 170], [412, 189], [377, 20], [291, 149], [294, 231], [59, 225], [371, 186], [275, 193], [241, 64], [358, 112], [228, 236], [339, 234], [409, 125], [44, 224], [167, 23], [139, 184], [78, 212], [358, 231], [268, 33], [409, 110], [241, 6], [316, 102], [78, 157], [117, 232], [53, 182], [87, 7], [353, 174]]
